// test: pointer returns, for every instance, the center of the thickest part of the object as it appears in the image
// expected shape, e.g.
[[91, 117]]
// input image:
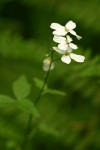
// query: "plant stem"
[[45, 81], [29, 125], [27, 131]]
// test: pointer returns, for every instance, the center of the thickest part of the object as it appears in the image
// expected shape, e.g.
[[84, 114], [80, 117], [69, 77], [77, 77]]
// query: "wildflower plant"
[[21, 88], [65, 46]]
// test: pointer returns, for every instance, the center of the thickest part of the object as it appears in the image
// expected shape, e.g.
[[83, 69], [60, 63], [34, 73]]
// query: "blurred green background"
[[66, 122]]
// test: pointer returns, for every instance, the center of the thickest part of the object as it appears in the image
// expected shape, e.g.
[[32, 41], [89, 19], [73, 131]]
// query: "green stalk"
[[30, 124]]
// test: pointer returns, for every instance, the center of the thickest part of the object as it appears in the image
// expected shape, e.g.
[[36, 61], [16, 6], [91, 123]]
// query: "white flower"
[[63, 30], [46, 64], [67, 58], [64, 43], [67, 55]]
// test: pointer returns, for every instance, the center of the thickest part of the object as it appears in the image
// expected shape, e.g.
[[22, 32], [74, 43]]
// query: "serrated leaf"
[[39, 83], [28, 107], [55, 92], [21, 88], [6, 100]]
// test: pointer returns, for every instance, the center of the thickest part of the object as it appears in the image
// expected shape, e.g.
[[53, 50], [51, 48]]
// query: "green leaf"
[[21, 88], [28, 107], [48, 130], [39, 83], [6, 100], [55, 92]]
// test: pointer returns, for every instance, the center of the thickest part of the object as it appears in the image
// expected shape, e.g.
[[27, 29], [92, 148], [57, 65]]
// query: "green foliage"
[[28, 107], [44, 128], [39, 83], [68, 121], [54, 92], [6, 101], [21, 88]]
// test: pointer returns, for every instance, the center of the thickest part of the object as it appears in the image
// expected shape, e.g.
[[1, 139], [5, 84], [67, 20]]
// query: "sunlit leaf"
[[6, 100], [21, 88], [39, 83], [54, 92], [28, 107]]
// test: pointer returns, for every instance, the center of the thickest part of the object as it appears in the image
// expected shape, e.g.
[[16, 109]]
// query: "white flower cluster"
[[65, 45]]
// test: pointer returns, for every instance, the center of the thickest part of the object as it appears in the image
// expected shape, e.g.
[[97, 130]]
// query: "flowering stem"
[[30, 124], [45, 81]]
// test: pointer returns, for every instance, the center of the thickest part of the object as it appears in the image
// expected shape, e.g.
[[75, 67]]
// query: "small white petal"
[[73, 46], [66, 59], [56, 26], [70, 25], [78, 58], [59, 51], [69, 39], [78, 37], [69, 50], [46, 64], [72, 32], [59, 39], [60, 32], [63, 46], [45, 67]]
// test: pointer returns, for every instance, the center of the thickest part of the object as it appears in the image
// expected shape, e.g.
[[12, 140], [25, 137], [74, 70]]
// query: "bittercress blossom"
[[65, 46], [64, 42], [63, 30]]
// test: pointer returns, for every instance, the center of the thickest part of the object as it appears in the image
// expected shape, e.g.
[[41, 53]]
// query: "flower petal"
[[60, 32], [69, 50], [66, 59], [46, 64], [70, 25], [45, 67], [73, 46], [78, 58], [73, 32], [59, 39], [63, 46], [56, 26], [78, 37], [59, 51], [69, 39]]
